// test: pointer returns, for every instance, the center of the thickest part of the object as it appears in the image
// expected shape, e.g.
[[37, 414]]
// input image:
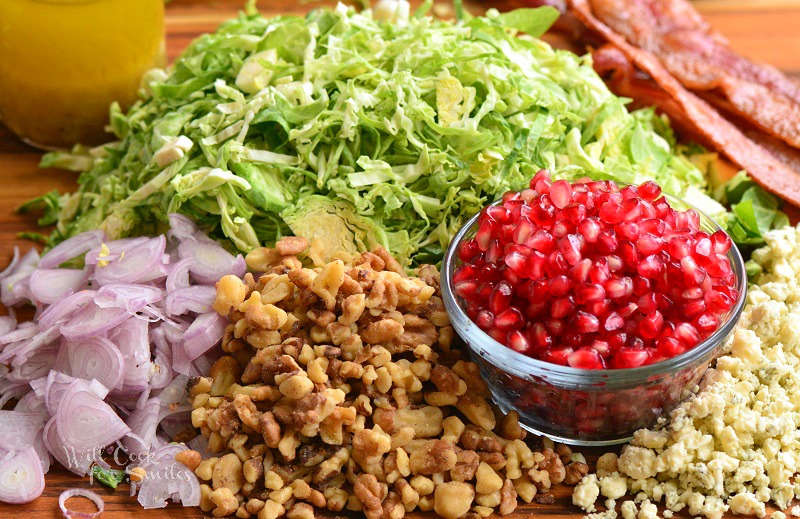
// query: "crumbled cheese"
[[586, 493], [628, 510], [777, 515], [613, 486], [647, 511], [736, 444]]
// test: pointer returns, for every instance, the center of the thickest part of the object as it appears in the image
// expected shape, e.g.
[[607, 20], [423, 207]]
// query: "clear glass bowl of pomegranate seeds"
[[591, 308]]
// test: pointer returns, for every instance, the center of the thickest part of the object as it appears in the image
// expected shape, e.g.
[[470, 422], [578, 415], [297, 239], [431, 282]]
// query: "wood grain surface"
[[764, 30]]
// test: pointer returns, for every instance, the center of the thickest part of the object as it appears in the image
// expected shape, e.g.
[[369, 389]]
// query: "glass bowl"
[[582, 406]]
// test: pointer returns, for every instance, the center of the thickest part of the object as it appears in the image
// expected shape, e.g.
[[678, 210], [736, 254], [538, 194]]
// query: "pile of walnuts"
[[340, 389]]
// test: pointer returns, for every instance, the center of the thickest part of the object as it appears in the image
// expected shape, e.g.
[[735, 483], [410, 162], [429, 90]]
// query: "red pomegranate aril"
[[651, 324], [679, 246], [559, 285], [508, 319], [649, 244], [498, 213], [628, 230], [613, 322], [686, 334], [585, 358], [484, 319], [541, 241], [626, 358], [561, 193], [706, 323], [607, 242], [540, 337], [556, 327], [611, 213], [466, 289], [494, 252], [556, 264], [599, 273], [650, 267], [517, 341], [702, 247], [721, 242], [590, 292], [517, 262], [618, 288], [599, 308], [693, 308], [500, 298], [523, 231], [649, 190], [669, 347], [629, 255], [579, 273], [562, 307], [541, 182], [586, 323], [590, 229]]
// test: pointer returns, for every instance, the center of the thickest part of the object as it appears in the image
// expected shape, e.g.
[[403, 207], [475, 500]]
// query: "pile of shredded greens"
[[356, 132]]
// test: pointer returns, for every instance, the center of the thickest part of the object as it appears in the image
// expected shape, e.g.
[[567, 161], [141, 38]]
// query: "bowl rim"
[[521, 365]]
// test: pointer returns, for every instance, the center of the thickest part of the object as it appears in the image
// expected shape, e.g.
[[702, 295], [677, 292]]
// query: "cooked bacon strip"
[[701, 59], [715, 129], [624, 80]]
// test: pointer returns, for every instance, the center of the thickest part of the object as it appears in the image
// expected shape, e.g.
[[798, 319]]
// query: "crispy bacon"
[[700, 58], [689, 110]]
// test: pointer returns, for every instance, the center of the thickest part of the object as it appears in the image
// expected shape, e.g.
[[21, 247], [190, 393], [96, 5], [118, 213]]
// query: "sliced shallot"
[[21, 476], [80, 492]]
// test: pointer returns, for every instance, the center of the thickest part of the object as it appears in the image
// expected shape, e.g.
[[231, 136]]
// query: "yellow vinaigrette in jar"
[[63, 62]]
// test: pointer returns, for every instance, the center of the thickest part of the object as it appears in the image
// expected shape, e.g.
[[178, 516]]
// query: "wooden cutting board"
[[765, 30]]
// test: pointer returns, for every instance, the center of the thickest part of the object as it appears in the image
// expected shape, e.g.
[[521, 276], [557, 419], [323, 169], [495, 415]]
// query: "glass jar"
[[63, 62]]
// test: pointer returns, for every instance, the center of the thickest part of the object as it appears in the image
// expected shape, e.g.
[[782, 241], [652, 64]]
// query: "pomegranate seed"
[[629, 193], [692, 308], [468, 250], [518, 342], [575, 214], [498, 213], [649, 190], [559, 285], [497, 334], [527, 195], [510, 276], [542, 241], [484, 319], [466, 289], [510, 196], [598, 308], [517, 262], [494, 251], [500, 299], [650, 267], [607, 242], [619, 288], [561, 193], [649, 244], [669, 347], [541, 182], [718, 302], [600, 273], [651, 324], [556, 327], [509, 318], [601, 347], [589, 229], [628, 310], [586, 323], [562, 307], [580, 272], [558, 356], [647, 303], [706, 323], [631, 209], [585, 358], [536, 309], [556, 264], [614, 263], [721, 242], [641, 285], [540, 337], [611, 213], [628, 230], [536, 265], [653, 226], [687, 334], [692, 293], [703, 247], [560, 229], [613, 322], [679, 246], [628, 253], [629, 358], [693, 274], [590, 292], [522, 231]]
